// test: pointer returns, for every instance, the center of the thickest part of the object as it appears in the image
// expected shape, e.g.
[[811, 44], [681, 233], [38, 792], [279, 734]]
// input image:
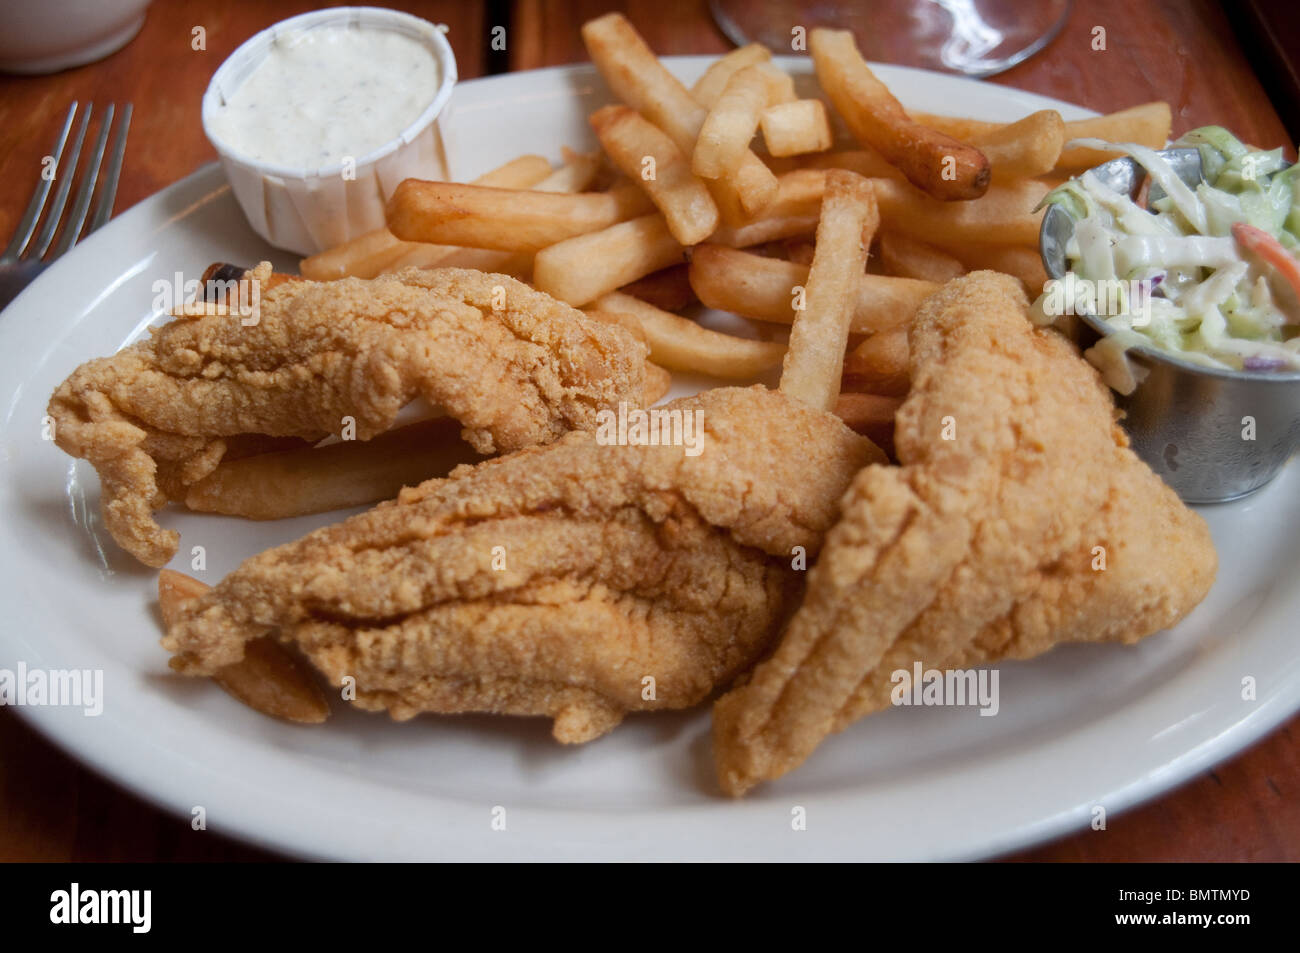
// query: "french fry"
[[795, 211], [576, 174], [908, 258], [477, 216], [865, 161], [796, 128], [268, 679], [522, 172], [780, 84], [765, 289], [582, 269], [630, 141], [275, 486], [871, 415], [1004, 215], [669, 289], [1147, 125], [635, 75], [361, 257], [1019, 261], [959, 127], [815, 358], [1029, 147], [658, 382], [730, 125], [623, 319], [709, 87], [516, 264], [682, 345], [879, 364], [369, 254], [753, 184], [942, 166]]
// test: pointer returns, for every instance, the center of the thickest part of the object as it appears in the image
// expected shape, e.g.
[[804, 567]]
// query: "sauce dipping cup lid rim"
[[365, 18]]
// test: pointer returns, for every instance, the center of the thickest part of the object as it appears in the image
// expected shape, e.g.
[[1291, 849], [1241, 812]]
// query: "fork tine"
[[23, 233], [89, 177], [108, 191], [66, 171]]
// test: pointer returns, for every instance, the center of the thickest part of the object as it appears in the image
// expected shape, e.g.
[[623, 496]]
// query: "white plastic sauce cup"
[[308, 210]]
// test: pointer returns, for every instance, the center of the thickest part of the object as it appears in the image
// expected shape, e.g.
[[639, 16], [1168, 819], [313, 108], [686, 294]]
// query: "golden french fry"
[[582, 269], [175, 589], [879, 364], [866, 162], [682, 345], [1147, 125], [576, 175], [362, 257], [959, 127], [730, 125], [375, 252], [795, 211], [753, 183], [649, 158], [669, 288], [796, 128], [815, 358], [908, 258], [275, 486], [522, 172], [767, 289], [516, 264], [871, 415], [1004, 215], [780, 84], [658, 382], [272, 681], [623, 319], [945, 168], [476, 216], [709, 87], [268, 679], [635, 75], [1021, 262], [1028, 147]]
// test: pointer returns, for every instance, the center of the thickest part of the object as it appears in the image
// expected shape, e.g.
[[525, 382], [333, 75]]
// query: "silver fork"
[[26, 257]]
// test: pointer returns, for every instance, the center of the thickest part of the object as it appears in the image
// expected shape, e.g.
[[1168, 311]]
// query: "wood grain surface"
[[1182, 51]]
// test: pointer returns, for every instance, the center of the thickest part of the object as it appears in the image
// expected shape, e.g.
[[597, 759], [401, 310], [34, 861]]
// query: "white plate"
[[1083, 726]]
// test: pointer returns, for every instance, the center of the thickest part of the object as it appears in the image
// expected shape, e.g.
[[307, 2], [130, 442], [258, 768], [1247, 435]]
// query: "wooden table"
[[51, 809]]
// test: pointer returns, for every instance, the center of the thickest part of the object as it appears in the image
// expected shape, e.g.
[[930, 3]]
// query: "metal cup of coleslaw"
[[307, 210], [1213, 434]]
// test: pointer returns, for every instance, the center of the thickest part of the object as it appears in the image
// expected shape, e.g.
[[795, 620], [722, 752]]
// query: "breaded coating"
[[981, 545], [514, 366], [557, 580]]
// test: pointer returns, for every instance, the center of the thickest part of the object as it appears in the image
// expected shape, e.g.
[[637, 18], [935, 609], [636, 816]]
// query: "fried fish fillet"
[[514, 366], [577, 580], [982, 545]]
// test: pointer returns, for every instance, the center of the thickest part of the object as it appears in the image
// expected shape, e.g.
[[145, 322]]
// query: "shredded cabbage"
[[1182, 283]]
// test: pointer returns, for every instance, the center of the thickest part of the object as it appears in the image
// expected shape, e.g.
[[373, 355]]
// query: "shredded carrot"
[[1267, 247]]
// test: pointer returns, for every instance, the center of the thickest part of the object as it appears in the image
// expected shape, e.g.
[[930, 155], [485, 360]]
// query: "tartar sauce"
[[325, 95]]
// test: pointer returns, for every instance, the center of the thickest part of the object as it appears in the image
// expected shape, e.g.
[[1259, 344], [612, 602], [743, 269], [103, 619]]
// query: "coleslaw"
[[1207, 274]]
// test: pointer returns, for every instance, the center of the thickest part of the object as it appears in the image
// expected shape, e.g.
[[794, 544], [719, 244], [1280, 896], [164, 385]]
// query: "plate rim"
[[257, 825]]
